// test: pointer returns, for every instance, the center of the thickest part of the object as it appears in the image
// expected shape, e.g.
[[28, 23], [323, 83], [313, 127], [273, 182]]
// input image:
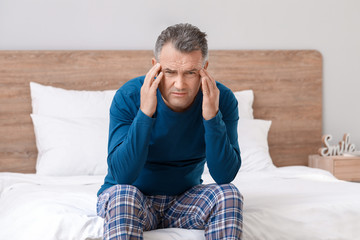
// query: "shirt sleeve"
[[129, 136], [222, 148]]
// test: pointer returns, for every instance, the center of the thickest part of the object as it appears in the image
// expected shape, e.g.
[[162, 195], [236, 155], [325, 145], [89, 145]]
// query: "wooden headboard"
[[287, 87]]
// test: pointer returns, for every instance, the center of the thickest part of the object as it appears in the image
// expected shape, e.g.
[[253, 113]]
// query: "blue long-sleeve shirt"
[[165, 154]]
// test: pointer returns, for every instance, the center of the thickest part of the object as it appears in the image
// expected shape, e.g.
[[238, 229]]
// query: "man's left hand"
[[211, 95]]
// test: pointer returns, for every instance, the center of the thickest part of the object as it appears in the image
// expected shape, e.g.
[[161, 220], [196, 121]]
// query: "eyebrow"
[[191, 70], [168, 69]]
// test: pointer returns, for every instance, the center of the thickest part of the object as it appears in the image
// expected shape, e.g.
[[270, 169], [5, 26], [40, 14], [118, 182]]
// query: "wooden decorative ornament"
[[344, 146]]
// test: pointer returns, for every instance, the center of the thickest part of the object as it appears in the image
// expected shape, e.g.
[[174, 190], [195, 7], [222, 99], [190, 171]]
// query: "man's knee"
[[125, 189], [226, 192], [118, 195], [232, 190], [124, 192]]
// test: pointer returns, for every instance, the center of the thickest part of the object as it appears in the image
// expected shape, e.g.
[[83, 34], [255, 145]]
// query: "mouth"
[[178, 94]]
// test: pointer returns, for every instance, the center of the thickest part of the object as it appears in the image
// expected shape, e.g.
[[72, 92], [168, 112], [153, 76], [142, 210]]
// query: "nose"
[[179, 83]]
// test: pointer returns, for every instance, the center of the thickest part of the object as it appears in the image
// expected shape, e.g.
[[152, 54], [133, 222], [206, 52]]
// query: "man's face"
[[181, 81]]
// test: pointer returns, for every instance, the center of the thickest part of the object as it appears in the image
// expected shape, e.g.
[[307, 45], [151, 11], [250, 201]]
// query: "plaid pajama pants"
[[215, 208]]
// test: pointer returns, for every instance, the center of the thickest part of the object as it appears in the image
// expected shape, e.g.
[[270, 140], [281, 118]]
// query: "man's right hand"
[[148, 100]]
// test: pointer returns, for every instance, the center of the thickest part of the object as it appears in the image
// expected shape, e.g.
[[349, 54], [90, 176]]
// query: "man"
[[163, 128]]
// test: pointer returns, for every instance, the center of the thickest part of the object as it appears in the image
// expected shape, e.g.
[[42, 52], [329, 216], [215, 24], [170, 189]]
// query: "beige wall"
[[330, 26]]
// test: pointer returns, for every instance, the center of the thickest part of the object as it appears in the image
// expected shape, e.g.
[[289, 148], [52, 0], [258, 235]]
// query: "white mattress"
[[285, 203]]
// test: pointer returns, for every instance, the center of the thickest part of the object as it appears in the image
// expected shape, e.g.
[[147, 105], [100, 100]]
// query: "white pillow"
[[58, 102], [52, 101], [245, 100], [252, 137], [254, 149], [81, 117], [67, 147]]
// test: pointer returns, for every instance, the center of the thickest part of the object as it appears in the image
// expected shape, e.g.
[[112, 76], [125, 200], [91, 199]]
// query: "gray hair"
[[185, 38]]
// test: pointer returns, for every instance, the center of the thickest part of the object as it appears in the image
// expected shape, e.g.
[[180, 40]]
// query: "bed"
[[52, 100]]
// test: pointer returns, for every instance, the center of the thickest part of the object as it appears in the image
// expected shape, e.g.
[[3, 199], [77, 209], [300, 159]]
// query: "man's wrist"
[[142, 117], [214, 119]]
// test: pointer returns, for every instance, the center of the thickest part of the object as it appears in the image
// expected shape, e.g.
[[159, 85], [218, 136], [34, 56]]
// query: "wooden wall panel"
[[287, 86]]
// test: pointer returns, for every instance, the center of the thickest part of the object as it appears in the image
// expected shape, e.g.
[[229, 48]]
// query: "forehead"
[[172, 58]]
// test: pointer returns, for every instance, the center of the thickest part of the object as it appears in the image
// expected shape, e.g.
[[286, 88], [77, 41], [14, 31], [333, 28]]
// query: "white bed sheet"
[[285, 203]]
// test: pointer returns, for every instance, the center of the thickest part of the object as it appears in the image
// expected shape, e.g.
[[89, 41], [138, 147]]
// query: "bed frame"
[[287, 85]]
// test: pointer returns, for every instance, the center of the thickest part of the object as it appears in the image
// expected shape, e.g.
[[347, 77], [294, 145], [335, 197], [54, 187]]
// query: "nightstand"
[[344, 168]]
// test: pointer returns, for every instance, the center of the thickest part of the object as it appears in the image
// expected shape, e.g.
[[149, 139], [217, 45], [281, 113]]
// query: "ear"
[[153, 61], [206, 65]]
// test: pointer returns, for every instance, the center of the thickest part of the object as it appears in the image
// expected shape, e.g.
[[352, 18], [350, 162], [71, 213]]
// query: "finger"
[[151, 75], [157, 81], [153, 72], [212, 83], [205, 75], [209, 87], [202, 73], [205, 86]]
